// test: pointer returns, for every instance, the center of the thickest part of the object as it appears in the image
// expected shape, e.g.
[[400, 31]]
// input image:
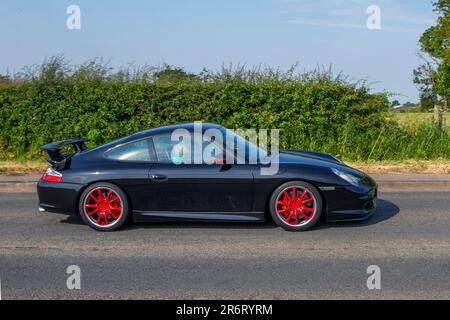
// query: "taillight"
[[52, 175]]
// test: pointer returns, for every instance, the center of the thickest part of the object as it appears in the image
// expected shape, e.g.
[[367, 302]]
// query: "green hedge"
[[318, 112]]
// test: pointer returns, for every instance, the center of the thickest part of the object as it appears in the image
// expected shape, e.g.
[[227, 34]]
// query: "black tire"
[[110, 213], [304, 223]]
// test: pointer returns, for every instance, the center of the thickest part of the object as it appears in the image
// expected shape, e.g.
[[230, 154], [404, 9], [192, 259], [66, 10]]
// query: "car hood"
[[312, 158]]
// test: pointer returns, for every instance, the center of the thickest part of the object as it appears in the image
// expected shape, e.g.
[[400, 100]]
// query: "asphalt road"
[[408, 238]]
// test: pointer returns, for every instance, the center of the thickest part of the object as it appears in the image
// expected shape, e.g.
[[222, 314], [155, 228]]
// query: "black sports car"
[[137, 178]]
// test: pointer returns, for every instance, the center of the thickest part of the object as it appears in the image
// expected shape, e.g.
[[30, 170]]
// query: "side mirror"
[[220, 159]]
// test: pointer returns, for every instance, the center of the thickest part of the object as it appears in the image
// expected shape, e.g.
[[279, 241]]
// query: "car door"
[[197, 187]]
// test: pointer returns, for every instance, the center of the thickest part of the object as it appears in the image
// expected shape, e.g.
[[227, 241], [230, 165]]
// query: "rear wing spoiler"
[[54, 149]]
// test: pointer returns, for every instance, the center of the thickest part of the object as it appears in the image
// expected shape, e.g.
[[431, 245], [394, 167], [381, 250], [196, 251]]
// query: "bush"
[[316, 110]]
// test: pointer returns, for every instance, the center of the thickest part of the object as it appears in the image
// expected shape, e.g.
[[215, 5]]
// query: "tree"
[[433, 76], [395, 103], [171, 74], [5, 80]]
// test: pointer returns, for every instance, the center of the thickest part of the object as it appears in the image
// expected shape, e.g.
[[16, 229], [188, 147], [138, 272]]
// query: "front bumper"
[[58, 197], [351, 203]]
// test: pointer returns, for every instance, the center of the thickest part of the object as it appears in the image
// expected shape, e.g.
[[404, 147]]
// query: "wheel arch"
[[80, 193]]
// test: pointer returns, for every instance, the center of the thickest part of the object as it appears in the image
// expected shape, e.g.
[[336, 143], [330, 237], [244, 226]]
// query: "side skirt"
[[147, 216]]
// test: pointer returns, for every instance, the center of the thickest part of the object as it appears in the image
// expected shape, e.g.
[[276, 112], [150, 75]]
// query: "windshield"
[[244, 148]]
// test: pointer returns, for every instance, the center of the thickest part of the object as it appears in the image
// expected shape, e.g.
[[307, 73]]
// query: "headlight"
[[347, 177]]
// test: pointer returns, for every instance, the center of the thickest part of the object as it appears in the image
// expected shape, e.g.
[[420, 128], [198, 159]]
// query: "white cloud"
[[330, 24], [397, 16]]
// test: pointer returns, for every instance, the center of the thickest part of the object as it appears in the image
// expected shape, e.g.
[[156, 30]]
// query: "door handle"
[[159, 177]]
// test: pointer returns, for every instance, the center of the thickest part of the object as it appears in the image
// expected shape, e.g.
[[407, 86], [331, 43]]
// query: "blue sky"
[[208, 33]]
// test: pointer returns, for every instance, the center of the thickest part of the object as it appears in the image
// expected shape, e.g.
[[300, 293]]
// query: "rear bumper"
[[58, 197], [351, 203]]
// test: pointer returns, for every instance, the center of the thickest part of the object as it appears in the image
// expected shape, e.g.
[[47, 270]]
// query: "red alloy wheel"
[[296, 206], [103, 206]]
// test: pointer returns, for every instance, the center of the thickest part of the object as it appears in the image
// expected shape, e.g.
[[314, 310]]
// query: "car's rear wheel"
[[296, 206], [104, 207]]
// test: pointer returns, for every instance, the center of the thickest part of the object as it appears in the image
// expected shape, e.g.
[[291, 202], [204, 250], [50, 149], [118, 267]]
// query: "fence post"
[[438, 117]]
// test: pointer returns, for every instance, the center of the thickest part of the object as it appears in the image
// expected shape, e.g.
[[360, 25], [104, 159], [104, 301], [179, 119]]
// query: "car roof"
[[149, 132], [159, 130]]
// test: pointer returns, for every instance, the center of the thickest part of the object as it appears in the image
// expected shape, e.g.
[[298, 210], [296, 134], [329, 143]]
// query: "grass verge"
[[17, 167], [404, 166], [414, 119]]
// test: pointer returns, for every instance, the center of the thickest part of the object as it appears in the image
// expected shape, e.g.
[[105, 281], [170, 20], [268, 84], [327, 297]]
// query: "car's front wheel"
[[104, 207], [296, 206]]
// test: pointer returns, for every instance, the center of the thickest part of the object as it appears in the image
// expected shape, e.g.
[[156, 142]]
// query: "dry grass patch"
[[31, 166], [414, 119], [405, 166]]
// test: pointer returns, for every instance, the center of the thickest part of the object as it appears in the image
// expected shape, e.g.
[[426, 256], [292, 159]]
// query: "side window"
[[163, 147], [167, 150], [133, 151], [209, 157]]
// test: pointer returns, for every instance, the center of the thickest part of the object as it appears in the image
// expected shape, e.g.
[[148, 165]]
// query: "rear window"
[[133, 151]]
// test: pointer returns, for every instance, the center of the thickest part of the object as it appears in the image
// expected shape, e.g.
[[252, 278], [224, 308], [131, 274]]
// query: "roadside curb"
[[18, 182], [386, 182], [17, 187], [414, 185], [412, 181]]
